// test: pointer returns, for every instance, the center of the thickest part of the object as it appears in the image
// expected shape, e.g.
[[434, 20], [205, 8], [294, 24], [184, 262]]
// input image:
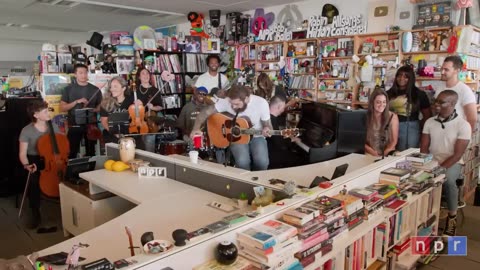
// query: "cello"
[[54, 148], [137, 114]]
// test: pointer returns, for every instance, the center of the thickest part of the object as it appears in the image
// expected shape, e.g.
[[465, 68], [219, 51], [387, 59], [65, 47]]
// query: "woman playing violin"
[[117, 99], [146, 93], [29, 156]]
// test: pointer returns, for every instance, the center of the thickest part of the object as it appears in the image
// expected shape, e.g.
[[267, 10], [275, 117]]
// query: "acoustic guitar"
[[221, 130]]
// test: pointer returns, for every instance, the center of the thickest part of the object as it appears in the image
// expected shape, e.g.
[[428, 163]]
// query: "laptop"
[[340, 170]]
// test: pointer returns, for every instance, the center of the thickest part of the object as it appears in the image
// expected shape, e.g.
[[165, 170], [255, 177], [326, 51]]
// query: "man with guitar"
[[242, 104], [212, 78], [76, 96]]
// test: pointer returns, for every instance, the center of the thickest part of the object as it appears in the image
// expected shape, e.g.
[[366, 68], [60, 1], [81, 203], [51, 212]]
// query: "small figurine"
[[344, 190], [74, 255]]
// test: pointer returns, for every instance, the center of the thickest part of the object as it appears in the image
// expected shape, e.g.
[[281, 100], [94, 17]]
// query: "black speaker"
[[96, 40], [215, 17]]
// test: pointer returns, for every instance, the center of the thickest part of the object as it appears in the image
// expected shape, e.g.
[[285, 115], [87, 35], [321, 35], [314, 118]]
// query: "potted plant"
[[242, 200]]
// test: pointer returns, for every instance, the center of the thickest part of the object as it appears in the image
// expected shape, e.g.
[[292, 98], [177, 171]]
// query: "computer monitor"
[[77, 166], [339, 171]]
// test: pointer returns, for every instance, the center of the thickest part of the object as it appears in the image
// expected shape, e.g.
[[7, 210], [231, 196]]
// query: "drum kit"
[[169, 146]]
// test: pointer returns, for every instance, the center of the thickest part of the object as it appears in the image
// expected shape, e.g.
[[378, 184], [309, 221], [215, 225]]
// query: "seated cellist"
[[29, 156]]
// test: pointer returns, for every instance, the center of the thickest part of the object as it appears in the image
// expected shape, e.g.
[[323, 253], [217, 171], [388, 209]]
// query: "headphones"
[[450, 118]]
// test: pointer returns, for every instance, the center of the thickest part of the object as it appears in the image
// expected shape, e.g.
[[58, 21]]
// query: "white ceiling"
[[73, 21]]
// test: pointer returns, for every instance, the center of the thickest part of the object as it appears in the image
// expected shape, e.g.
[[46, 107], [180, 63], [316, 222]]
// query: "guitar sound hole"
[[235, 131]]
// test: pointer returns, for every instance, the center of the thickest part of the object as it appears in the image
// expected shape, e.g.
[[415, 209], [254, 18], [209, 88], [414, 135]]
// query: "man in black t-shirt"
[[76, 96]]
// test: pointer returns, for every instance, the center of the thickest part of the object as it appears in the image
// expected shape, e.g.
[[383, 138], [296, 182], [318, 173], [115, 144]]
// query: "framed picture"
[[115, 37], [149, 44], [367, 48], [54, 84], [435, 14], [125, 66], [213, 45], [193, 44], [125, 50]]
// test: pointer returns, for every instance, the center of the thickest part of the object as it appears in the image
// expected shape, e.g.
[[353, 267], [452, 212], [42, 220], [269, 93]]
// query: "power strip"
[[222, 206]]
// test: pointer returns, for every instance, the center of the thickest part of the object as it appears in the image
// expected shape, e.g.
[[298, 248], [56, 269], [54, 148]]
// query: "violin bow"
[[91, 98], [158, 91], [24, 194]]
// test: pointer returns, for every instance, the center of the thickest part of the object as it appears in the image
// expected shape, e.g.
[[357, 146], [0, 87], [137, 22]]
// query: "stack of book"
[[317, 222], [270, 244], [353, 209], [394, 176], [372, 203], [386, 192], [419, 159]]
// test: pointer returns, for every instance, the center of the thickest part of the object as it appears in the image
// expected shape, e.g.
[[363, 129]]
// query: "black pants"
[[75, 136], [34, 192]]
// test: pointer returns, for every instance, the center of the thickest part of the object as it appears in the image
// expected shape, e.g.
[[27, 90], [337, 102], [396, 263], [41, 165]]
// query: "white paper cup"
[[193, 156]]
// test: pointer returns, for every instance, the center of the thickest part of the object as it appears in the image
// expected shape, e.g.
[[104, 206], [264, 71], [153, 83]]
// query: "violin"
[[137, 115], [54, 148]]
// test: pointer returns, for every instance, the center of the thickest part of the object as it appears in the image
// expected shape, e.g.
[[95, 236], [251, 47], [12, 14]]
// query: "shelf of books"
[[335, 79], [180, 65], [360, 228]]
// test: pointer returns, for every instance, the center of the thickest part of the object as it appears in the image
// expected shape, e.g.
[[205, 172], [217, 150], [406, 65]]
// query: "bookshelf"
[[335, 72], [179, 64]]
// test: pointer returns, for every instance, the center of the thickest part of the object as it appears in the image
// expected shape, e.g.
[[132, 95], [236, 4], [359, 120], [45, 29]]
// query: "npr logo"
[[455, 246]]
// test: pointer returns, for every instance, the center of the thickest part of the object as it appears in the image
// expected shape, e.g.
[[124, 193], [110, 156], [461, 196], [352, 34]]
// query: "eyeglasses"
[[201, 94]]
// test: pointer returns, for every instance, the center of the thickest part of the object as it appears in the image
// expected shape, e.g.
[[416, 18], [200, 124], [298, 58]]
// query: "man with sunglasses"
[[189, 112], [446, 136]]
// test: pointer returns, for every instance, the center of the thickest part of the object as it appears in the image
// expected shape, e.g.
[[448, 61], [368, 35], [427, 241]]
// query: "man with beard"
[[466, 106], [446, 137], [212, 78], [239, 101]]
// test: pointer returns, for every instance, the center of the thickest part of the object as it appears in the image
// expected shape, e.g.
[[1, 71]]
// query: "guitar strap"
[[219, 80]]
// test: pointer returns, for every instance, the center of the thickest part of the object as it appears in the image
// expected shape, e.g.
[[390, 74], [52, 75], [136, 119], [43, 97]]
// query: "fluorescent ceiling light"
[[126, 7]]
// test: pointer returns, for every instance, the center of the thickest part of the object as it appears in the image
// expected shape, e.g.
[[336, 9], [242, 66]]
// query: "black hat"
[[96, 40]]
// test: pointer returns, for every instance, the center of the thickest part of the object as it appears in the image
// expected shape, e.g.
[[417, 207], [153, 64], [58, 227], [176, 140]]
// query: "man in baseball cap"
[[189, 112]]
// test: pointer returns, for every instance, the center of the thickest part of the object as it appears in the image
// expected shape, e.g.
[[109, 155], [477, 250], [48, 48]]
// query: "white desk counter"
[[304, 175], [166, 205], [186, 208], [127, 185]]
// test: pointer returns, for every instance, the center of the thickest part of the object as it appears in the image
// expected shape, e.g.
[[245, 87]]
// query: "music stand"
[[84, 116], [118, 120]]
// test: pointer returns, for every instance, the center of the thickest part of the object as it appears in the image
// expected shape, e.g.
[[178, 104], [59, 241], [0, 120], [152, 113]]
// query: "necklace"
[[143, 93]]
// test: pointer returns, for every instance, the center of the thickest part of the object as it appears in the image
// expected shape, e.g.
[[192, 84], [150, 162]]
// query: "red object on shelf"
[[325, 184]]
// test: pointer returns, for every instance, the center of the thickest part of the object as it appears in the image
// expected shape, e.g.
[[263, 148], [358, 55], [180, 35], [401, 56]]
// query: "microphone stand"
[[227, 156], [383, 138]]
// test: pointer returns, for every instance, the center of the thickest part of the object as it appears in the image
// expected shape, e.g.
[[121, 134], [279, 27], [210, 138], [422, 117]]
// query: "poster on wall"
[[101, 81], [53, 86], [168, 31]]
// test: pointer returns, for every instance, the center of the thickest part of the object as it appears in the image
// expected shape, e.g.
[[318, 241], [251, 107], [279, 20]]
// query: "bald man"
[[446, 136]]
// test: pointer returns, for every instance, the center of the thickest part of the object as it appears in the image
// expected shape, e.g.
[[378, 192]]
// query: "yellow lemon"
[[119, 166], [108, 164]]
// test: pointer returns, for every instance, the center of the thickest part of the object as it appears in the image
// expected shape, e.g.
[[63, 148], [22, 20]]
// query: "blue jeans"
[[450, 189], [257, 149], [413, 135]]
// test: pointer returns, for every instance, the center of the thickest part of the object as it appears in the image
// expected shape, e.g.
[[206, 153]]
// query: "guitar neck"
[[251, 131]]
